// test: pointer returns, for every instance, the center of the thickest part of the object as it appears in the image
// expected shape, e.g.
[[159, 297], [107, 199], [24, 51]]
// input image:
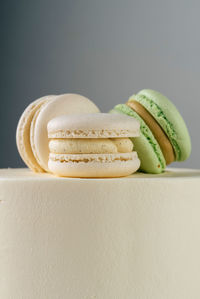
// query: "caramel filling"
[[157, 131]]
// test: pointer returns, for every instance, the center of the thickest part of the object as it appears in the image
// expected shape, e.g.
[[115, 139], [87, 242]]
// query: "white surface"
[[133, 238]]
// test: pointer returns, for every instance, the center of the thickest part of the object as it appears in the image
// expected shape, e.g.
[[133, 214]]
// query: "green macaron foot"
[[169, 118], [148, 149]]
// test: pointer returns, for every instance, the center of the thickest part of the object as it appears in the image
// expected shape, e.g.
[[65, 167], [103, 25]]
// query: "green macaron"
[[148, 149], [164, 115]]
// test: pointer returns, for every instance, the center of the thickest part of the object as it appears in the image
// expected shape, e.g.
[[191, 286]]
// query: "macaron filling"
[[90, 146], [158, 113], [156, 129]]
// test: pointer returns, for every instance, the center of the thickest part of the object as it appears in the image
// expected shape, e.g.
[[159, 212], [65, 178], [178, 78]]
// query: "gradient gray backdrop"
[[103, 49]]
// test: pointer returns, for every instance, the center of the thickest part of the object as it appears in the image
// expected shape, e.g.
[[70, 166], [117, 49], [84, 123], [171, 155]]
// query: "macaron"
[[92, 145], [164, 135], [31, 134]]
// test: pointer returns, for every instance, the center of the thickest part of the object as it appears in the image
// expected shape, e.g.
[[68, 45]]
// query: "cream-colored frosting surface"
[[131, 237]]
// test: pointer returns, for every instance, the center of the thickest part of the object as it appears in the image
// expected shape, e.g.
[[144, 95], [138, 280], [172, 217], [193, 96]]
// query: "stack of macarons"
[[66, 135], [164, 136], [79, 141]]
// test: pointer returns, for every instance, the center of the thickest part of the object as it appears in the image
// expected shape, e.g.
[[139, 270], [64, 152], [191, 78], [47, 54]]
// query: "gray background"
[[103, 49]]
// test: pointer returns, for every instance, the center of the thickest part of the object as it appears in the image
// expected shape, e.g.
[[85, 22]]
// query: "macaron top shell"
[[63, 104], [97, 125], [169, 118]]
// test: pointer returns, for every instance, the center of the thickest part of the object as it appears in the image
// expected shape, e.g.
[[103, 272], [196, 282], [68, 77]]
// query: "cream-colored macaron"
[[31, 135], [92, 145]]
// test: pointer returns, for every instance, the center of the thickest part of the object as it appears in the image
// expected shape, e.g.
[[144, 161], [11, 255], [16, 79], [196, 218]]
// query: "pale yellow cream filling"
[[90, 146]]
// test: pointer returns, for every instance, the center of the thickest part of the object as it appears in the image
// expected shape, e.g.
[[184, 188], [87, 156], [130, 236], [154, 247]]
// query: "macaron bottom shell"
[[150, 163], [94, 165]]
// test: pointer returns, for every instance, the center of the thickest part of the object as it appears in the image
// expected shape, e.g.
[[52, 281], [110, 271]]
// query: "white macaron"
[[31, 135], [92, 145]]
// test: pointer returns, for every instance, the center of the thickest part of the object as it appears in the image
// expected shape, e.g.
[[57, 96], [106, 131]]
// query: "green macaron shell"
[[148, 149], [169, 118]]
